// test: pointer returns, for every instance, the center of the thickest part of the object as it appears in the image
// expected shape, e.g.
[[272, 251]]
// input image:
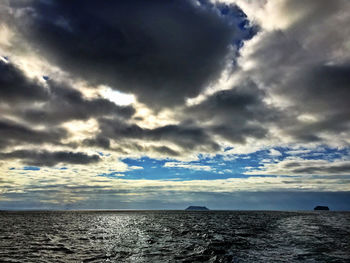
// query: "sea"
[[174, 236]]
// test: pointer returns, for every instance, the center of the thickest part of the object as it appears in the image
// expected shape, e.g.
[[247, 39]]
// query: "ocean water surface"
[[174, 236]]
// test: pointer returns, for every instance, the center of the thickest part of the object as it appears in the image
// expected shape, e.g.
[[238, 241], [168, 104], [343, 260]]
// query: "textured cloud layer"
[[227, 78], [158, 50], [44, 158]]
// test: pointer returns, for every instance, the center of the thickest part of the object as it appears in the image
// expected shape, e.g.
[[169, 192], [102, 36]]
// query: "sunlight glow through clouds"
[[5, 35], [117, 97], [256, 100]]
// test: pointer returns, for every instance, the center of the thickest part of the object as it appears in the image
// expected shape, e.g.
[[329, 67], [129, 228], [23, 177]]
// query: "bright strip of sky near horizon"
[[231, 104]]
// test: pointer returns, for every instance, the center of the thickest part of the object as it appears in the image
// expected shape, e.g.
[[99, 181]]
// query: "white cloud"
[[134, 167], [274, 152], [187, 166]]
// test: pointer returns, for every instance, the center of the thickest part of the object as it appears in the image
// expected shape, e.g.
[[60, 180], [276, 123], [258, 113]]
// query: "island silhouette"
[[320, 207], [197, 208]]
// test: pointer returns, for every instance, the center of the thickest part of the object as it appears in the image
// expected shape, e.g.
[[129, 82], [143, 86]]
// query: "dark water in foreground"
[[174, 236]]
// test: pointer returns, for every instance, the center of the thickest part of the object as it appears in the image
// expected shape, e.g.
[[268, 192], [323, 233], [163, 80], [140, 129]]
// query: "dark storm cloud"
[[60, 102], [160, 50], [165, 150], [66, 103], [307, 65], [164, 51], [326, 88], [331, 169], [236, 114], [104, 142], [322, 90], [12, 133], [186, 136], [98, 141], [45, 158], [16, 87]]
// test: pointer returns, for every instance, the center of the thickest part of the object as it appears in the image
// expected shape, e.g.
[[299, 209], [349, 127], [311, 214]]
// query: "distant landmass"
[[320, 207], [197, 208]]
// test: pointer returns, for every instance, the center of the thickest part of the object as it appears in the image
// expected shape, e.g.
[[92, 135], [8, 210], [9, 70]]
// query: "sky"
[[160, 104]]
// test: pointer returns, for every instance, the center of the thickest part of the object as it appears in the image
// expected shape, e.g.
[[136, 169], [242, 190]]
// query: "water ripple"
[[174, 236]]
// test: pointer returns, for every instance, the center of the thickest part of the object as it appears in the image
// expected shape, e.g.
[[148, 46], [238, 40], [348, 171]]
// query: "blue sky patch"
[[31, 168]]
